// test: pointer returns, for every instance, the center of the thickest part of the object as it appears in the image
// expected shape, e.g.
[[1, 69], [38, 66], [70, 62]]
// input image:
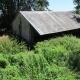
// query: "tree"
[[77, 3], [11, 7]]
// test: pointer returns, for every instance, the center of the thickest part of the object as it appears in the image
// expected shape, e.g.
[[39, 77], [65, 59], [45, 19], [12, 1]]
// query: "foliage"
[[62, 51], [54, 59], [10, 8], [77, 3], [12, 46]]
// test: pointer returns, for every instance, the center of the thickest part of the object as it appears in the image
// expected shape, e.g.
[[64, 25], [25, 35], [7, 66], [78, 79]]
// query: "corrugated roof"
[[47, 22]]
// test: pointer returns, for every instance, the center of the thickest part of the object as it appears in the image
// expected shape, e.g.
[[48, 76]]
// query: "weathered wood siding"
[[15, 25], [25, 32]]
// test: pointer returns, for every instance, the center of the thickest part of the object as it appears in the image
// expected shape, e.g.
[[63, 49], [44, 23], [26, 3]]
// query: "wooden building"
[[29, 24]]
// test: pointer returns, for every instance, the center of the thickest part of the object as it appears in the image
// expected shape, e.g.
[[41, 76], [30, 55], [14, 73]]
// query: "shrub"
[[3, 61], [54, 59], [12, 46], [10, 73], [74, 61], [62, 51]]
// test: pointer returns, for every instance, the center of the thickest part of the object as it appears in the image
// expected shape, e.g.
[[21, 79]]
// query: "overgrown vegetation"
[[54, 59]]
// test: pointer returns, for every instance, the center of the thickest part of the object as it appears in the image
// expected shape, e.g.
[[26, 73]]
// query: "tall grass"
[[12, 46], [54, 59]]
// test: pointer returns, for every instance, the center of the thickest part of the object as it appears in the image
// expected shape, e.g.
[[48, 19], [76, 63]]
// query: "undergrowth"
[[54, 59]]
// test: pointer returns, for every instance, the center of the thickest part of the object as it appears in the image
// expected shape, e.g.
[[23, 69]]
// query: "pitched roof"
[[47, 22]]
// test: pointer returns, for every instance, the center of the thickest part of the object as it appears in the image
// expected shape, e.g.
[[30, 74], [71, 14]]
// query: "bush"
[[12, 46], [3, 61], [10, 73], [62, 51], [54, 59]]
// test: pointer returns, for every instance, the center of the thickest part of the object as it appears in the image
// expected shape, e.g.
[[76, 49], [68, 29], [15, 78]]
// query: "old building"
[[29, 24]]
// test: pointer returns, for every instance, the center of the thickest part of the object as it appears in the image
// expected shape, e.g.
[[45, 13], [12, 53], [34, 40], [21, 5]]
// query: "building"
[[29, 24]]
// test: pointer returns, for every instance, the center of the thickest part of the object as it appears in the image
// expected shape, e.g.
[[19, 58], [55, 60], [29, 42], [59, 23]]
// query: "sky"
[[61, 5]]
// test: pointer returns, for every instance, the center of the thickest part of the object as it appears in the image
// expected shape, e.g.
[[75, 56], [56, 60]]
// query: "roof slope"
[[47, 22]]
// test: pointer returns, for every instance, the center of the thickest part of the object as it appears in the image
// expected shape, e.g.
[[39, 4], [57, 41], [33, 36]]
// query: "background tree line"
[[77, 3], [10, 8]]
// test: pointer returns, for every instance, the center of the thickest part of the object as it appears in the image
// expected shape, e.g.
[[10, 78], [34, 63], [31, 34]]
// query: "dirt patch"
[[4, 37]]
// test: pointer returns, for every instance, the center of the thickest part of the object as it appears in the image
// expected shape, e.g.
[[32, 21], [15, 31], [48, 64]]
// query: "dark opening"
[[75, 32]]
